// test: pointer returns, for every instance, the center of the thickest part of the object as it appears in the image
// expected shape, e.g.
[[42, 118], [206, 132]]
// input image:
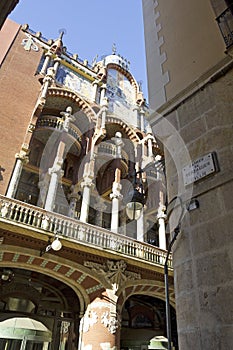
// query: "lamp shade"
[[56, 244], [135, 205]]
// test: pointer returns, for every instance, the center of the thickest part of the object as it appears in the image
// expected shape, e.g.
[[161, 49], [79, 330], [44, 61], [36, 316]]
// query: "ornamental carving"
[[89, 320], [29, 43], [111, 322], [114, 272]]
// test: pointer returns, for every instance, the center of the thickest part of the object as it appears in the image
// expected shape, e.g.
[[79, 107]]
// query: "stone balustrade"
[[48, 121], [14, 211], [110, 149]]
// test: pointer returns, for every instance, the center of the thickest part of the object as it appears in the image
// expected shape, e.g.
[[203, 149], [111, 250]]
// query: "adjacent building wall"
[[194, 121]]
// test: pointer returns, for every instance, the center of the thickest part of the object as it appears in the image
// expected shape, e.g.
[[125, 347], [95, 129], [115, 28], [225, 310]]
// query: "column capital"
[[116, 191], [22, 155], [87, 182], [161, 212]]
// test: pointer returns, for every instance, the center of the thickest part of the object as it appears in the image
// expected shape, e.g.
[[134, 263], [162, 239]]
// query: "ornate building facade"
[[76, 271], [189, 61]]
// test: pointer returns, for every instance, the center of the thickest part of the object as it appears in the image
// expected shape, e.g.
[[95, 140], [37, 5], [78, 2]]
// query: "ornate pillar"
[[95, 85], [161, 216], [102, 93], [47, 82], [48, 56], [57, 61], [74, 198], [140, 227], [56, 174], [104, 112], [142, 116], [99, 328], [21, 159], [87, 185], [100, 207], [150, 145], [43, 185], [116, 198]]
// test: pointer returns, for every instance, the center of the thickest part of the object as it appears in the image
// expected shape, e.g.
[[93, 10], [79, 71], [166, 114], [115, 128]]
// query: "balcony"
[[225, 22], [57, 123], [30, 217]]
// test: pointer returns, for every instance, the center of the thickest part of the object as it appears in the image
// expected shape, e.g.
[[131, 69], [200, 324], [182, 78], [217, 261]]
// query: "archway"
[[144, 324], [31, 299]]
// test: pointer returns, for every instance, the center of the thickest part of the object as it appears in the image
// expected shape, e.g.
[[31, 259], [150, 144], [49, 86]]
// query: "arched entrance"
[[144, 324], [23, 333], [37, 312]]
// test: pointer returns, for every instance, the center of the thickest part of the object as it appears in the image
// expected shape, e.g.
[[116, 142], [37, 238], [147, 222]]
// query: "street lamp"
[[134, 207], [137, 197], [55, 245]]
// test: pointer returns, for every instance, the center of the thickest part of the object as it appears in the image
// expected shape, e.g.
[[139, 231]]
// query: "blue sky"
[[91, 26]]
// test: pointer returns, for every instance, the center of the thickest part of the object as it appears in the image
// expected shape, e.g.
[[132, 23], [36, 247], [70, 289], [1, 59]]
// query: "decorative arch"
[[74, 97]]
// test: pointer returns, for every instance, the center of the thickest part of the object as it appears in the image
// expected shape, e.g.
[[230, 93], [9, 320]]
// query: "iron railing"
[[225, 22], [20, 213]]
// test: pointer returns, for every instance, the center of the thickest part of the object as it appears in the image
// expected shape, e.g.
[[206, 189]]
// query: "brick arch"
[[132, 135], [154, 289], [74, 97], [77, 277]]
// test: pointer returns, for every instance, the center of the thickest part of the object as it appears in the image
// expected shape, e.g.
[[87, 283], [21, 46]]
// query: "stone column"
[[21, 159], [100, 207], [103, 93], [142, 116], [100, 326], [74, 198], [47, 82], [140, 227], [161, 217], [87, 185], [57, 61], [150, 145], [56, 173], [43, 185], [95, 85], [48, 56], [104, 112], [116, 198]]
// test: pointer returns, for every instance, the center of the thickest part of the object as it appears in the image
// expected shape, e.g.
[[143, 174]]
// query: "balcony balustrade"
[[225, 22], [31, 217], [57, 123], [108, 148]]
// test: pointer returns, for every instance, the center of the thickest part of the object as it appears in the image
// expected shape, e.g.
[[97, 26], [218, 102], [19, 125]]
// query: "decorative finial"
[[114, 49], [140, 85], [62, 31], [93, 63]]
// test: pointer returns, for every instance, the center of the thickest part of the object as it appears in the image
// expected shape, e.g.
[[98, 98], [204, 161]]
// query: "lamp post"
[[166, 282], [133, 210]]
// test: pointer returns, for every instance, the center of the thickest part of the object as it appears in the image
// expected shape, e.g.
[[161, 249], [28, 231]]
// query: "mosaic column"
[[100, 326], [21, 159], [95, 85], [74, 198], [116, 199], [56, 174], [87, 185], [48, 56], [140, 227], [103, 93], [100, 208], [47, 82], [161, 216]]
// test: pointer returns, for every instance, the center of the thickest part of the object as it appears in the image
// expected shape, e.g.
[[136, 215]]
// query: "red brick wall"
[[19, 89]]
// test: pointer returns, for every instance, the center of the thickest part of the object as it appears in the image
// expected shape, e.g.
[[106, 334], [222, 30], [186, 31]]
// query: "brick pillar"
[[100, 327]]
